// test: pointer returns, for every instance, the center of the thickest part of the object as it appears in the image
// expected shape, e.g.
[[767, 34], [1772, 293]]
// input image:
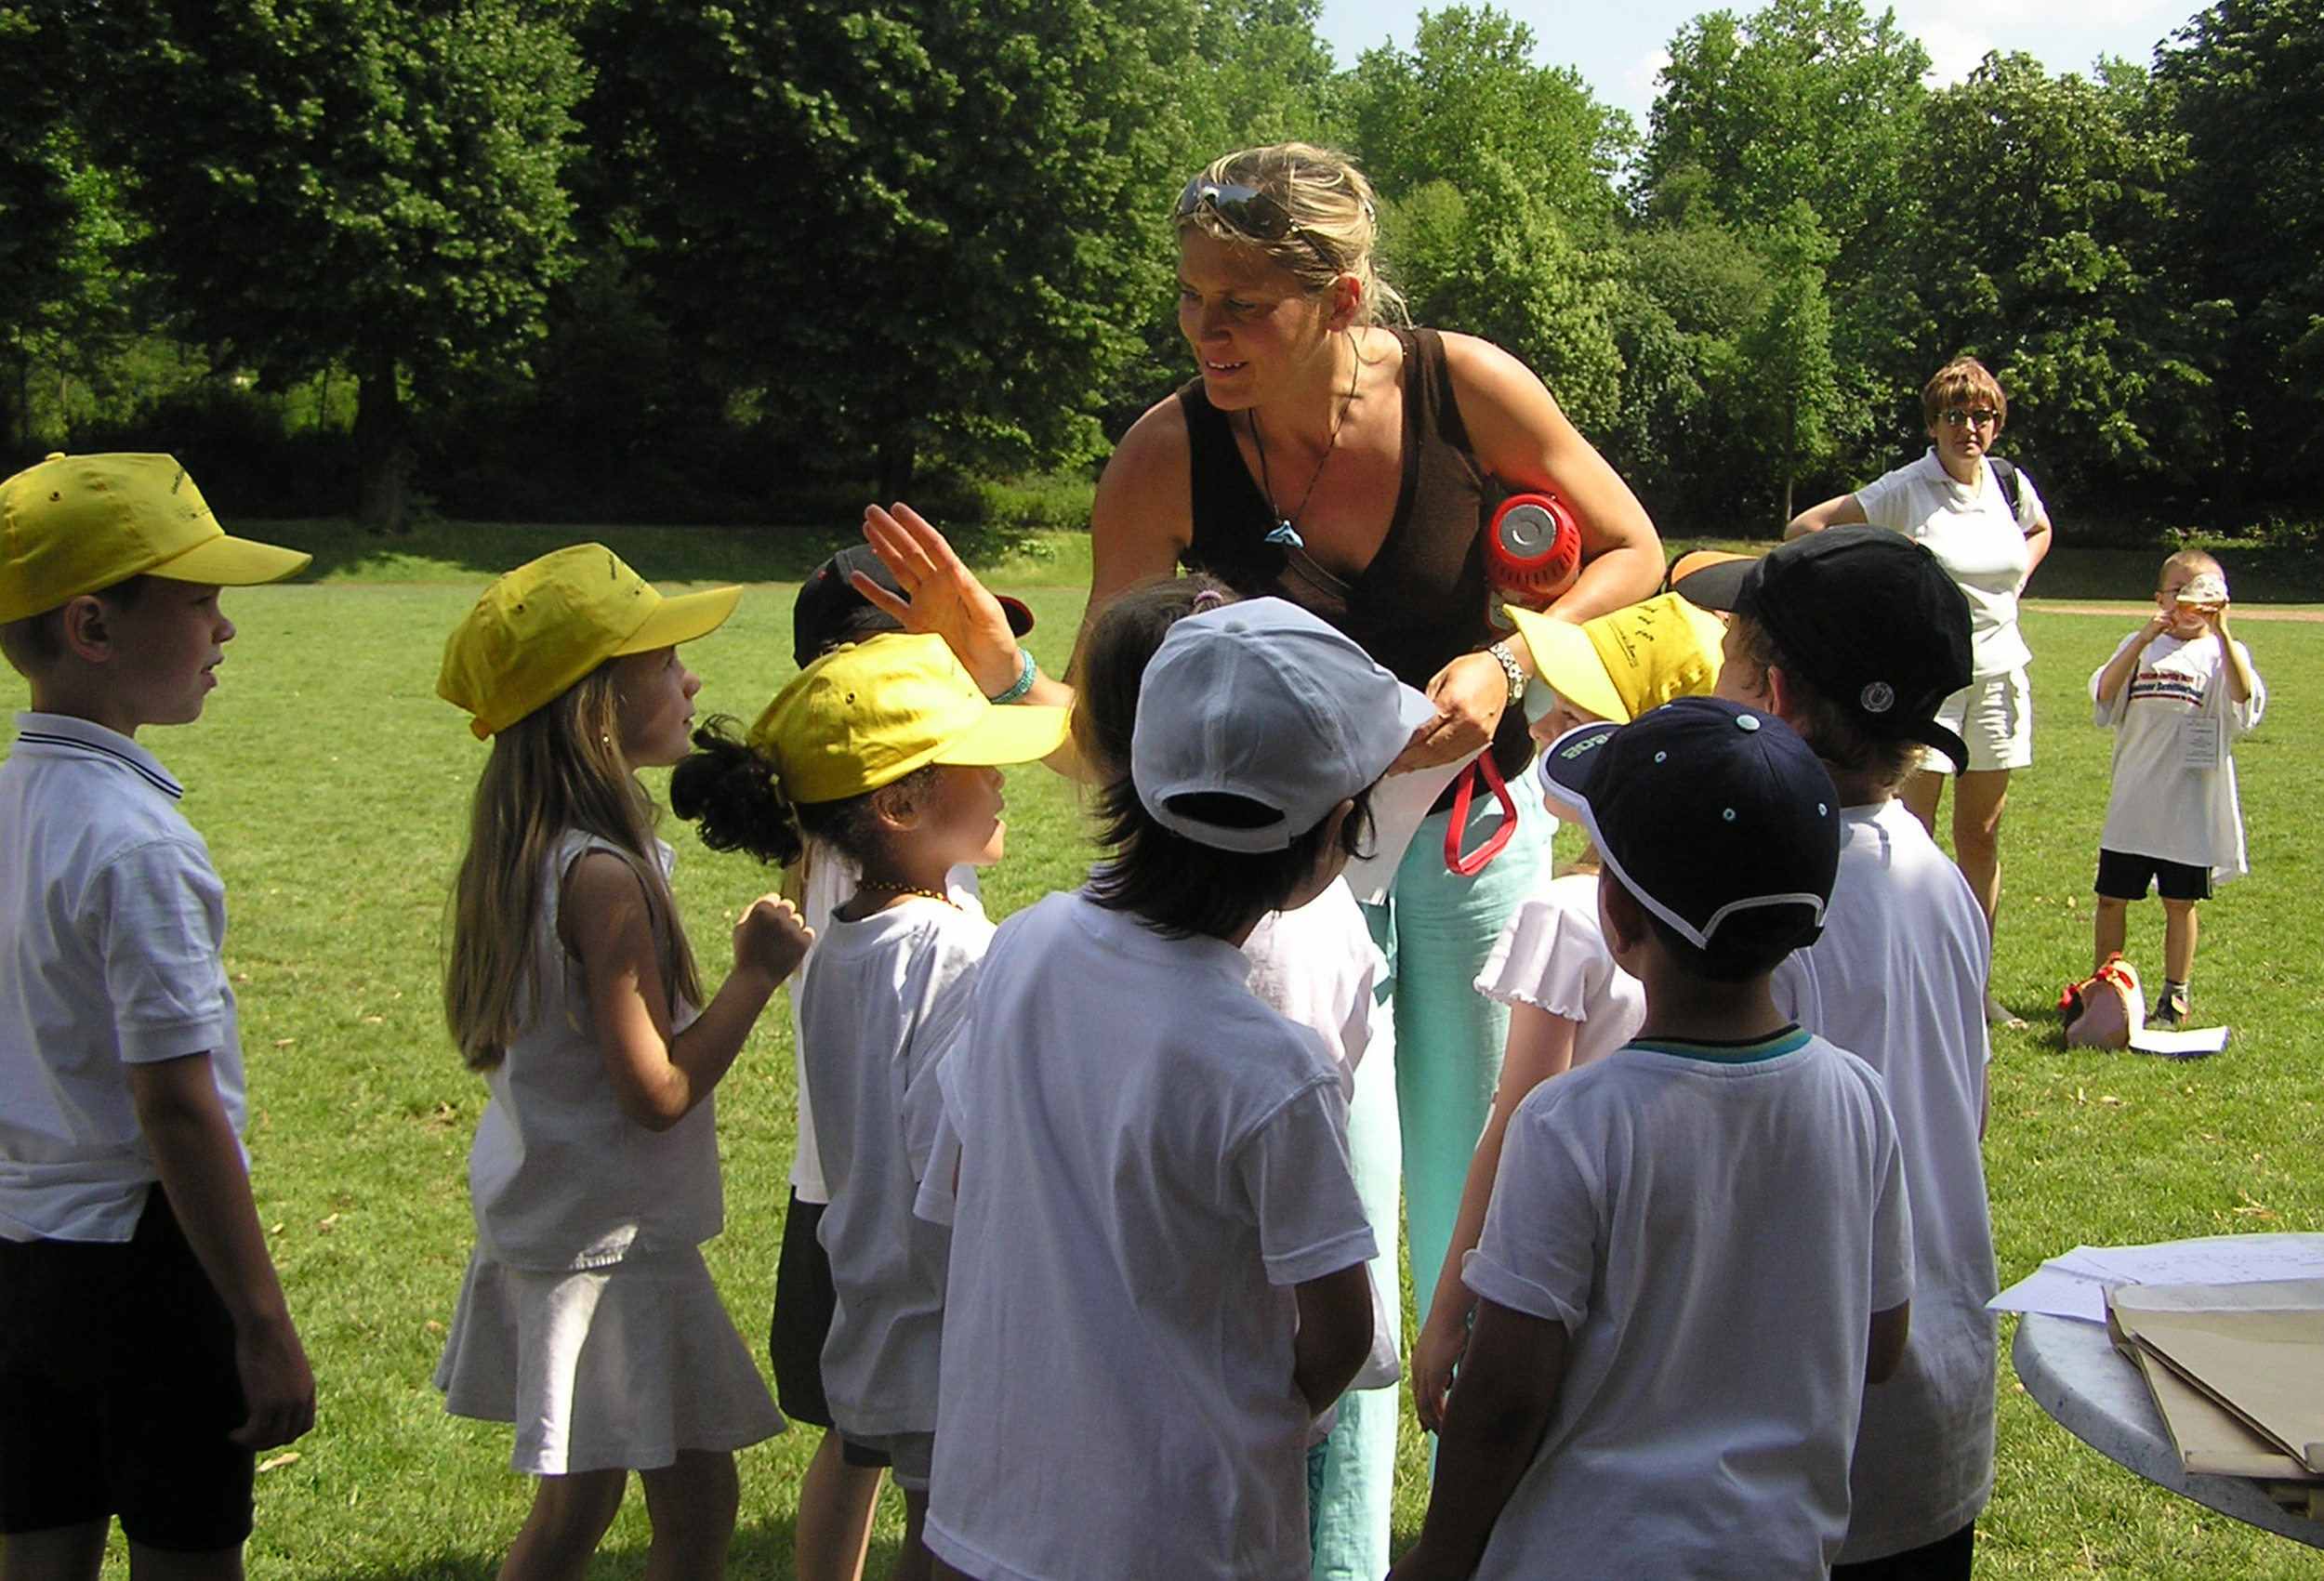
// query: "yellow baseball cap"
[[865, 716], [79, 524], [551, 621], [1622, 664]]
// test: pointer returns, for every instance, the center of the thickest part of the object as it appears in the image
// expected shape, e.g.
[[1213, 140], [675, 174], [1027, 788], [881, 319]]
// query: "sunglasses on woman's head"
[[1248, 209]]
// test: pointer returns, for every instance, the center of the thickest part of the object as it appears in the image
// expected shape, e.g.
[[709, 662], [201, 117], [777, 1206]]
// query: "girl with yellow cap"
[[886, 751], [586, 1316]]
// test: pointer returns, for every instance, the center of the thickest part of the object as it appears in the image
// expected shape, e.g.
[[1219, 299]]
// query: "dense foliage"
[[605, 259]]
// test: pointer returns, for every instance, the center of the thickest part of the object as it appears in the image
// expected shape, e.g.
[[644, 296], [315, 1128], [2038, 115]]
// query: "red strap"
[[1470, 864]]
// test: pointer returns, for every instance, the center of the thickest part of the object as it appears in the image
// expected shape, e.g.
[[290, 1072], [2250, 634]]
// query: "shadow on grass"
[[762, 1552], [437, 551]]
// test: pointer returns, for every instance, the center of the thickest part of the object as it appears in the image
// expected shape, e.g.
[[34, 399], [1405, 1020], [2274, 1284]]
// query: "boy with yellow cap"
[[146, 1351]]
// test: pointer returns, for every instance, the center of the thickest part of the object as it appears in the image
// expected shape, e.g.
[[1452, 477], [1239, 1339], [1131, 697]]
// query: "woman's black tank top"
[[1423, 599]]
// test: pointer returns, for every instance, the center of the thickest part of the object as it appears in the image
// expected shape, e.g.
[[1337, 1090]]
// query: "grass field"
[[331, 783]]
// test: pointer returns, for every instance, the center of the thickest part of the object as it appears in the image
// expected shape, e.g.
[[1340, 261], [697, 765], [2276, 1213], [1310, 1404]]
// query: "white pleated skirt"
[[615, 1367]]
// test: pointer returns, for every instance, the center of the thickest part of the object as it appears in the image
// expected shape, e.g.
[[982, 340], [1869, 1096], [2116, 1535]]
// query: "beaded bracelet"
[[1024, 681]]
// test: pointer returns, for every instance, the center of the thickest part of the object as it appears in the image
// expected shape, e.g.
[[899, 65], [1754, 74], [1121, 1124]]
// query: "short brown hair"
[[1838, 737], [1963, 379], [37, 641], [2193, 562]]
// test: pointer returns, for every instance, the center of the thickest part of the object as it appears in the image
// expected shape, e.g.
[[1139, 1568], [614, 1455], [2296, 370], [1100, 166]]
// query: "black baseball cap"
[[1868, 617], [1705, 810], [829, 611]]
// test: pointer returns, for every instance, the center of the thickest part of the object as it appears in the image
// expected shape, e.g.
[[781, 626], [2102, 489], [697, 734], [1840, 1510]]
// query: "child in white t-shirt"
[[2177, 695], [1856, 637], [886, 752], [1569, 1003], [839, 1491], [1698, 1251], [1158, 1250]]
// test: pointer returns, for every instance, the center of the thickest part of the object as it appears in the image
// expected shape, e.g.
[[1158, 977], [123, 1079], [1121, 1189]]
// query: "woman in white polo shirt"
[[1985, 522]]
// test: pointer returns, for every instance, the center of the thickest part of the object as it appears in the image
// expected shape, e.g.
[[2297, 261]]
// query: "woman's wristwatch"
[[1508, 661]]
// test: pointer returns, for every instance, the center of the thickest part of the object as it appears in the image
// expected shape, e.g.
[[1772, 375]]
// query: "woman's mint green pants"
[[1422, 1093]]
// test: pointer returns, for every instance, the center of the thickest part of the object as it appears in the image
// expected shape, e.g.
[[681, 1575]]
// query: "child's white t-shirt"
[[1319, 966], [881, 1001], [2159, 805], [1149, 1160], [1714, 1229], [1553, 956], [1899, 974], [831, 879]]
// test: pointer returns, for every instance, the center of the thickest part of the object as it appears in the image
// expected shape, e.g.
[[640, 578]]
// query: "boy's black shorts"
[[117, 1390], [2122, 876]]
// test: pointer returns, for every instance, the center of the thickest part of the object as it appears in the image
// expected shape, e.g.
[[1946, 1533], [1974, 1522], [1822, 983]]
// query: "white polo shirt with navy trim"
[[112, 924]]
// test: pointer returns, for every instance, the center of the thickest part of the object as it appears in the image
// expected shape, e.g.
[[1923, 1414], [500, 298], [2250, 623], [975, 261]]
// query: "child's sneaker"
[[2170, 1008]]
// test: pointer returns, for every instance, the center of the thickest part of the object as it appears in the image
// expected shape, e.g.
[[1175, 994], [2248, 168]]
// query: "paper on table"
[[2074, 1283], [2057, 1292], [1398, 805]]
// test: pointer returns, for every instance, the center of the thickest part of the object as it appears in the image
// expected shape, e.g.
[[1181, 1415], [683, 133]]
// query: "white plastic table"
[[2074, 1372]]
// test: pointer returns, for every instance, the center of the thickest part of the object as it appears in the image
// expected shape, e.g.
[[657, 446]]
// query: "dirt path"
[[2241, 612]]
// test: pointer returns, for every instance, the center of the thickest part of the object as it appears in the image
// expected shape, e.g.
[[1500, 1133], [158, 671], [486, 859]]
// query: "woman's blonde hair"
[[1333, 221], [560, 767]]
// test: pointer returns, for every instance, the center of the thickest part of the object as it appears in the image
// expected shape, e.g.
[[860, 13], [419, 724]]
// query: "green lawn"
[[331, 783]]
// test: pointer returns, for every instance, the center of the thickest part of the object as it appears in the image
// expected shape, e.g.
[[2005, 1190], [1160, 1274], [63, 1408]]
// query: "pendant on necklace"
[[1287, 534]]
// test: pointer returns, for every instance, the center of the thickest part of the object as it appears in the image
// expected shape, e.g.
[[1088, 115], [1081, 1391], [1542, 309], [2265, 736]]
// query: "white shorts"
[[1994, 720]]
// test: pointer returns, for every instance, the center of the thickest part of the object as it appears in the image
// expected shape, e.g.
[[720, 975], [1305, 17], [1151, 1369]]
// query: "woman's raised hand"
[[939, 595]]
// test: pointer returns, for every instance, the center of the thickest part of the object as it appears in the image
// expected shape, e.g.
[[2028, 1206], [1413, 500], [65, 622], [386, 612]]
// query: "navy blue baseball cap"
[[1704, 809]]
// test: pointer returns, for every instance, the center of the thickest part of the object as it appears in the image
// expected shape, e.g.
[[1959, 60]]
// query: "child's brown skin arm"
[[195, 1153], [1335, 1334], [1886, 1353], [1501, 1407]]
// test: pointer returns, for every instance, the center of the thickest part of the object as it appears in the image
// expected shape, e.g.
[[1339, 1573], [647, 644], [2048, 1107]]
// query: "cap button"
[[1746, 721], [54, 455]]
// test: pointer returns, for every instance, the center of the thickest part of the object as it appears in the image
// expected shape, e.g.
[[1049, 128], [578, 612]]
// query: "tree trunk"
[[383, 459], [897, 456]]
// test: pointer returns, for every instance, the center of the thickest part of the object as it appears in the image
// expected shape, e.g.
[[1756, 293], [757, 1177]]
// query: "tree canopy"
[[681, 262]]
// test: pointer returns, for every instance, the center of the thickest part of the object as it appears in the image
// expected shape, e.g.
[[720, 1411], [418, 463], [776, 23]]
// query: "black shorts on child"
[[2124, 877], [804, 1303], [117, 1390]]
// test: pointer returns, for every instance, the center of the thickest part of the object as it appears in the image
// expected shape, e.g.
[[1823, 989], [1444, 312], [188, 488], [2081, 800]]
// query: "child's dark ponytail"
[[731, 794]]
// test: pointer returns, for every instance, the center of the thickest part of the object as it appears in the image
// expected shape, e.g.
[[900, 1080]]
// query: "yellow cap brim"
[[682, 618], [229, 561], [1567, 661], [1015, 732]]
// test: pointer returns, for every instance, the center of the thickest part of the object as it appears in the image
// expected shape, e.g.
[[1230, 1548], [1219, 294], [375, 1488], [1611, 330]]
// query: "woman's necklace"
[[1287, 531], [878, 886]]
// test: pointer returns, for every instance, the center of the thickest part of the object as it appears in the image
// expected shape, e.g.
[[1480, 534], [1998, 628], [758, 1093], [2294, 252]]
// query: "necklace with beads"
[[876, 887], [1287, 531]]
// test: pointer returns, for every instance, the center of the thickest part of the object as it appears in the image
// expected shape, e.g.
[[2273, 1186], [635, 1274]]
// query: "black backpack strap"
[[2005, 474]]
